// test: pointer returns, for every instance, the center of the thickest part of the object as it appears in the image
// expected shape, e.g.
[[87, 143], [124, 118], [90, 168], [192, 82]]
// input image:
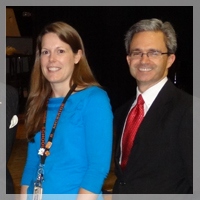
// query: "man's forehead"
[[147, 40]]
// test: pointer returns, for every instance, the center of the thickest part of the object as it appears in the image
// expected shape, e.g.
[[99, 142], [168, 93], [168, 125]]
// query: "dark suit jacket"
[[11, 110], [161, 160]]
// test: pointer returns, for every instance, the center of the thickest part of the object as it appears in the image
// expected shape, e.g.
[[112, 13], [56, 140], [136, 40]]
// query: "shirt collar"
[[150, 94]]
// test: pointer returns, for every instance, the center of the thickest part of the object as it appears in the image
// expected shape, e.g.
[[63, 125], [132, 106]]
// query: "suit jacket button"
[[122, 183]]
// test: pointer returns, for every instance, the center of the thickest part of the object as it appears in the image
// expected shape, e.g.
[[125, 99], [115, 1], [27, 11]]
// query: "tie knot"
[[140, 100]]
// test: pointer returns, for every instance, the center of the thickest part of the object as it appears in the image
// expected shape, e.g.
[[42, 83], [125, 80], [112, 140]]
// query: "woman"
[[72, 153]]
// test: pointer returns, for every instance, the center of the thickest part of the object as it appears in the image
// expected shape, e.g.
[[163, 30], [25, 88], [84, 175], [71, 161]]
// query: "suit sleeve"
[[186, 142], [11, 110]]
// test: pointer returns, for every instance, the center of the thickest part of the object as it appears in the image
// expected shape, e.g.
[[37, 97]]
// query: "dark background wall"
[[102, 29]]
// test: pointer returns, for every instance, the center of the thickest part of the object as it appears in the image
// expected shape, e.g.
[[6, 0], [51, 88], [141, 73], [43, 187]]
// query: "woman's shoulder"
[[96, 92], [93, 90], [93, 95]]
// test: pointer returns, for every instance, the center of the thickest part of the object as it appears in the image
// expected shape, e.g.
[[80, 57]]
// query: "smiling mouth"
[[53, 69], [144, 69]]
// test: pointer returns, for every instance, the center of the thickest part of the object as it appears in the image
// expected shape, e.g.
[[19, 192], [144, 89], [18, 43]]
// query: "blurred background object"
[[11, 24]]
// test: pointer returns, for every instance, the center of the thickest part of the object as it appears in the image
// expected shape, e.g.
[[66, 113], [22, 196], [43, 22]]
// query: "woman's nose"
[[52, 57]]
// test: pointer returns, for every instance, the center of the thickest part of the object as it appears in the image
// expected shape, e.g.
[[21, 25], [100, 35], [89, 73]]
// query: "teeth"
[[144, 69], [53, 69]]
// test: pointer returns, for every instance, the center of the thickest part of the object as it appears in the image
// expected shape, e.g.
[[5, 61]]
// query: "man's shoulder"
[[177, 92], [124, 107], [11, 91], [183, 95]]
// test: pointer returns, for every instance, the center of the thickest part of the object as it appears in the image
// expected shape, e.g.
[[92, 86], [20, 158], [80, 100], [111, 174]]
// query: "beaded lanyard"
[[44, 150], [49, 143]]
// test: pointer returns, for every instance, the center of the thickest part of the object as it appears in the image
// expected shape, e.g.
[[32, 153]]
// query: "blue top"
[[80, 154]]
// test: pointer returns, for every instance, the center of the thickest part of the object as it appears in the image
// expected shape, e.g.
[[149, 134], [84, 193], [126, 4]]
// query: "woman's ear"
[[78, 56]]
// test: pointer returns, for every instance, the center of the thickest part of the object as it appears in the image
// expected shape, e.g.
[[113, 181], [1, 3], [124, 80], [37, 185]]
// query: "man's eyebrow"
[[137, 49], [153, 50]]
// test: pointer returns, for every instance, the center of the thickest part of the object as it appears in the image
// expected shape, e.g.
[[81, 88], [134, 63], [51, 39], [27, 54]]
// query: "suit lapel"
[[120, 116], [154, 116]]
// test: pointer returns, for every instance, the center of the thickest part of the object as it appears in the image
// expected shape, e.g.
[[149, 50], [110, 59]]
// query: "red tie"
[[134, 119]]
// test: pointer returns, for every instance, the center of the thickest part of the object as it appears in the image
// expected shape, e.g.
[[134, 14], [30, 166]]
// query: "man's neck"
[[142, 86]]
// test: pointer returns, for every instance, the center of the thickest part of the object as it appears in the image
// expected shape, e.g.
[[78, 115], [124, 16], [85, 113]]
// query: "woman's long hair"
[[40, 89]]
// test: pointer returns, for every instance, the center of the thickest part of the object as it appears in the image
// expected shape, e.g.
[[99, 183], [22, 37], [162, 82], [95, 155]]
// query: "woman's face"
[[57, 60]]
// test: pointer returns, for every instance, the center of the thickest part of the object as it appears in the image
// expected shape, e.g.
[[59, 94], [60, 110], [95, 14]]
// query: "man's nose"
[[144, 58]]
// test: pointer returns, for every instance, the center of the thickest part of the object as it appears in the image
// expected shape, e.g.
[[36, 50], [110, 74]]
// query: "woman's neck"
[[59, 90]]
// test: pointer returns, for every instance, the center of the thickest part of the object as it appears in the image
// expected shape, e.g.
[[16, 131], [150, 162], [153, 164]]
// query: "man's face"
[[149, 71]]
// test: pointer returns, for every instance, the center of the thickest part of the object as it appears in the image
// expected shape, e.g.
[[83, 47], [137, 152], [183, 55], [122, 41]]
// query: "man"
[[11, 129], [159, 158]]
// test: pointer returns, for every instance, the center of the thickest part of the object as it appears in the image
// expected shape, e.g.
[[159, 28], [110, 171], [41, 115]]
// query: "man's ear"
[[170, 60], [128, 59]]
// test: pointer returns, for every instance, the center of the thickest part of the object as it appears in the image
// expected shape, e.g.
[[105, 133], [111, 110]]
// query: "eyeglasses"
[[150, 54]]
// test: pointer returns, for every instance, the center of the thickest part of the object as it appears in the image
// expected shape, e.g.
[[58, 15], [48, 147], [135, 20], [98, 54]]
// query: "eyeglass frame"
[[156, 51]]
